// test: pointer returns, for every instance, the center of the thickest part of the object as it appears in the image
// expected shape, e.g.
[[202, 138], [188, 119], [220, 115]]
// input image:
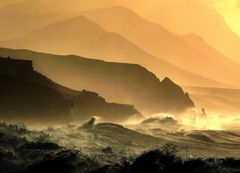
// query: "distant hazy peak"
[[79, 21]]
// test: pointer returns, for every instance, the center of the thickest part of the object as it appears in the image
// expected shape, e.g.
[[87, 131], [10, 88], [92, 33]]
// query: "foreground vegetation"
[[20, 154]]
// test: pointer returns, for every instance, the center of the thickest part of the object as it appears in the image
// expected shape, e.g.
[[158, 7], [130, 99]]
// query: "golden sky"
[[230, 10]]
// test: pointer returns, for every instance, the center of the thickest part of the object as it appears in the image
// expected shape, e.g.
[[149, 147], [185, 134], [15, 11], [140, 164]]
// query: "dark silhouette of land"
[[27, 96], [117, 82]]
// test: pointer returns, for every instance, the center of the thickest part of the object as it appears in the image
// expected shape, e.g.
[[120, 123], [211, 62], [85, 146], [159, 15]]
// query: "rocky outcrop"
[[117, 82], [28, 96]]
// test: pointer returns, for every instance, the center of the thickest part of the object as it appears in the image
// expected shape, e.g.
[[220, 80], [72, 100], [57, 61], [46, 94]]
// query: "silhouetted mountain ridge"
[[81, 36], [117, 82], [22, 100], [160, 42], [27, 96]]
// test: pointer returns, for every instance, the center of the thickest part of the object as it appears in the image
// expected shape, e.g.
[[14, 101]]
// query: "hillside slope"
[[194, 16], [189, 52], [28, 96], [117, 82], [83, 37]]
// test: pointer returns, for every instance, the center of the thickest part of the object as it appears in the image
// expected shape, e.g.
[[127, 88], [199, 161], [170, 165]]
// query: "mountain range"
[[81, 36], [121, 31], [196, 17], [28, 96], [188, 52], [117, 82], [144, 39]]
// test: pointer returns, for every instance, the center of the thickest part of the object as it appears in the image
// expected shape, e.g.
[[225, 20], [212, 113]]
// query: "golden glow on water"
[[194, 120], [213, 121]]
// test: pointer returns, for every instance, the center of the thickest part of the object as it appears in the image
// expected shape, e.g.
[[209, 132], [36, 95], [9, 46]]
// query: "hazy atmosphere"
[[119, 86]]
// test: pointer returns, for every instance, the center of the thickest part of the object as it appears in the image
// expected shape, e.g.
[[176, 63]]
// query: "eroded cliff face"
[[117, 82], [28, 96]]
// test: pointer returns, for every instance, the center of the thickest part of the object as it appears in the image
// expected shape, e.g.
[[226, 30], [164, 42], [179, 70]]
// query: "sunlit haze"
[[114, 86], [230, 9]]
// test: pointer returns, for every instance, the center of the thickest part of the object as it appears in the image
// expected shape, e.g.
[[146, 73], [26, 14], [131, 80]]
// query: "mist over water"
[[195, 119], [209, 121]]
